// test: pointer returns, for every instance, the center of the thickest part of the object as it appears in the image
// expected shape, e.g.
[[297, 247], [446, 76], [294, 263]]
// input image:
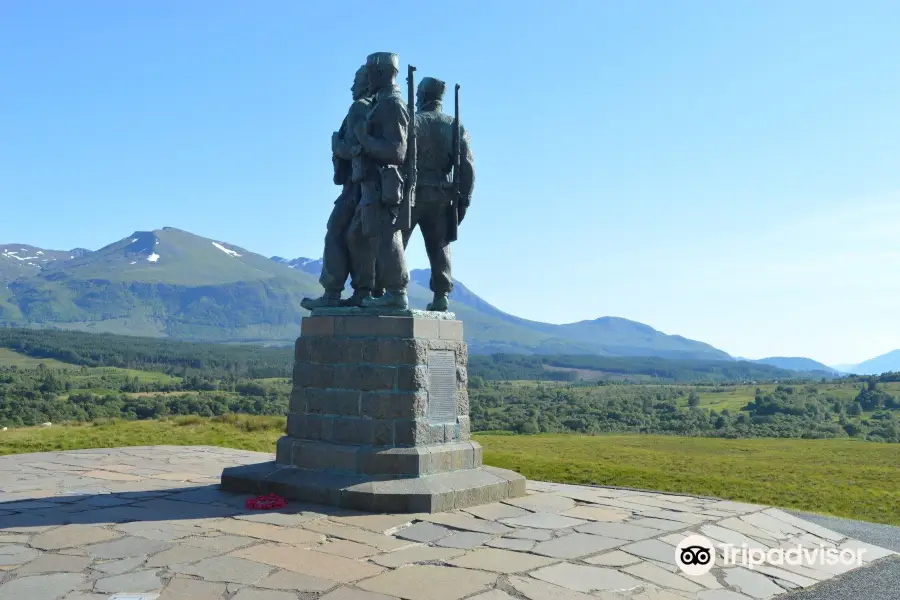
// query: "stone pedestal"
[[379, 419]]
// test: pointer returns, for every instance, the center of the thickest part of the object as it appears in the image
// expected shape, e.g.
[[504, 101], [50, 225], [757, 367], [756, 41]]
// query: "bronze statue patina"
[[376, 227], [441, 199], [400, 165], [339, 259]]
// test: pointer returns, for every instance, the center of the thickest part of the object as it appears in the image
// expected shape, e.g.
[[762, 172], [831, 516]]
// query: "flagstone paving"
[[87, 525]]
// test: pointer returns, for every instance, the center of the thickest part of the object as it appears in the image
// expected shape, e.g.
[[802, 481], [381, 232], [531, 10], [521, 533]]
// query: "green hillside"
[[165, 283], [23, 260]]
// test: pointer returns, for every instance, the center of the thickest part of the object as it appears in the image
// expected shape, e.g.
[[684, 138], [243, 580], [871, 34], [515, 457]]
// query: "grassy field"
[[232, 431], [736, 397], [844, 478], [116, 373], [840, 477], [9, 358]]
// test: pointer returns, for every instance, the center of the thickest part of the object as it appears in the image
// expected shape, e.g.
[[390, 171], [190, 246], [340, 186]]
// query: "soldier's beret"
[[381, 59], [433, 87]]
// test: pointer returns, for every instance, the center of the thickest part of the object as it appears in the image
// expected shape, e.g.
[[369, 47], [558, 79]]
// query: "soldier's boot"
[[357, 298], [377, 293], [393, 300], [440, 303], [326, 300]]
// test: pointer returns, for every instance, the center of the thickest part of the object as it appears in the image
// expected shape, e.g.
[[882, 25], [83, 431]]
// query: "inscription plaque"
[[442, 396]]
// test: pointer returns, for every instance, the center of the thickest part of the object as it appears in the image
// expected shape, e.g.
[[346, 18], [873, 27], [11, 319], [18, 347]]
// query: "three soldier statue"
[[400, 165]]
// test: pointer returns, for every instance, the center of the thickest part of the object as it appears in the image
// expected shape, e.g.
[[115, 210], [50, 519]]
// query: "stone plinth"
[[379, 418]]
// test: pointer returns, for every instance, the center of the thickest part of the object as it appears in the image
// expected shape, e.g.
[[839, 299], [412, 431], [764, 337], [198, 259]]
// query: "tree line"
[[32, 396], [185, 358]]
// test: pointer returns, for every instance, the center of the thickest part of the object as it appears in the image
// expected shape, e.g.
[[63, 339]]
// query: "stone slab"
[[622, 531], [378, 460], [423, 532], [495, 511], [345, 593], [69, 537], [139, 581], [178, 535], [418, 554], [500, 561], [576, 545], [430, 583], [587, 579], [296, 582], [464, 540], [429, 494], [226, 569], [251, 594], [308, 562], [55, 563], [543, 521], [333, 530], [519, 545], [652, 550], [394, 324], [41, 586], [755, 585], [466, 523], [616, 558], [180, 588]]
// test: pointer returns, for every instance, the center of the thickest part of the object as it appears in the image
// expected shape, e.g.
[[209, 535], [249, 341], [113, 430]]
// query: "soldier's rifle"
[[409, 190], [453, 212]]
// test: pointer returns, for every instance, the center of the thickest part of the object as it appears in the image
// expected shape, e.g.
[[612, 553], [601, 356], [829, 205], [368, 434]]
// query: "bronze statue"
[[375, 232], [339, 260], [441, 199], [401, 165]]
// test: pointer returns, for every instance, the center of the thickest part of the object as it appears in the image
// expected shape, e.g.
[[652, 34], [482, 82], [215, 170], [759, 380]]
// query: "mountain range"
[[172, 283], [890, 361]]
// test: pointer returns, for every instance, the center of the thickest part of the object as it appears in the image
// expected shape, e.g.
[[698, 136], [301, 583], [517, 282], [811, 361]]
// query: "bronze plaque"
[[442, 397]]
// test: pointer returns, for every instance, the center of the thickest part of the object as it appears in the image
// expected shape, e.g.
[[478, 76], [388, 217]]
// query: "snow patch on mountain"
[[153, 257], [225, 250], [309, 265], [15, 254]]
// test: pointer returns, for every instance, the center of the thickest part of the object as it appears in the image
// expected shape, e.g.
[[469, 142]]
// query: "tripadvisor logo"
[[695, 555]]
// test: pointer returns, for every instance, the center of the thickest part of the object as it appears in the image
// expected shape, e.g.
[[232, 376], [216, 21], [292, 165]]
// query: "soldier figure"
[[375, 231], [338, 262], [437, 203]]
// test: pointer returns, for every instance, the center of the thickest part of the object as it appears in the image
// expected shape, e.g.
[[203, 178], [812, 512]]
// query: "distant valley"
[[172, 283]]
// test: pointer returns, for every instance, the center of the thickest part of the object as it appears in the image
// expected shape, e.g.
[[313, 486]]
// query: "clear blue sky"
[[728, 171]]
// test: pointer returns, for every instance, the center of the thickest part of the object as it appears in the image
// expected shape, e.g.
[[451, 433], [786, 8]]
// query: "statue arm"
[[391, 149], [466, 169], [339, 144]]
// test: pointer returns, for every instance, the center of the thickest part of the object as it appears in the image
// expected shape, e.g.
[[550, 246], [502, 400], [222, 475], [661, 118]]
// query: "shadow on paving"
[[181, 503]]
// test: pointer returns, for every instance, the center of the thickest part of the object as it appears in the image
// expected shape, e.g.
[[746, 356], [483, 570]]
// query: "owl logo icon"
[[695, 555]]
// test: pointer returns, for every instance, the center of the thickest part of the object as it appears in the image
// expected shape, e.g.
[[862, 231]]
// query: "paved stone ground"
[[87, 525]]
